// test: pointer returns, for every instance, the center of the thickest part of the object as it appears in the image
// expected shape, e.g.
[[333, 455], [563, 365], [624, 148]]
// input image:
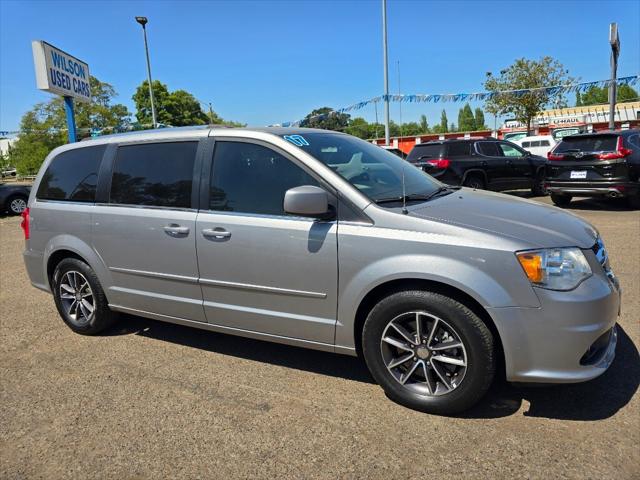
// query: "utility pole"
[[614, 41], [400, 102], [143, 21], [386, 72]]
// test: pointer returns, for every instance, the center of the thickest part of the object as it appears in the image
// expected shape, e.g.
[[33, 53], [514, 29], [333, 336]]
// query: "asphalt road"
[[152, 400]]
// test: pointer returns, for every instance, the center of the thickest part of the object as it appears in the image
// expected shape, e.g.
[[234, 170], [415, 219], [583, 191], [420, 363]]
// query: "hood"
[[531, 222]]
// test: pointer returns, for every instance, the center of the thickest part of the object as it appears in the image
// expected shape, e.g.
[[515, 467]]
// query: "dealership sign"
[[60, 73]]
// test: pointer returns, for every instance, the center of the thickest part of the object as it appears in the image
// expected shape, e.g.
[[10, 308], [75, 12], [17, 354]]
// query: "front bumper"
[[570, 338]]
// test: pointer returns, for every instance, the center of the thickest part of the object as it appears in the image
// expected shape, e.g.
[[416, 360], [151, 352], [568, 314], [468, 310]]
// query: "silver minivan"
[[321, 240]]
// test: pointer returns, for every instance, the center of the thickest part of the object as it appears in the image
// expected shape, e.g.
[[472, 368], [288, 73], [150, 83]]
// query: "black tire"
[[476, 338], [16, 204], [475, 181], [100, 317], [561, 199], [538, 189], [634, 201]]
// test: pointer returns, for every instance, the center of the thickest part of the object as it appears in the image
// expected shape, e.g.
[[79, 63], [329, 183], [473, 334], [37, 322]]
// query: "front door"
[[145, 228], [518, 164], [262, 270]]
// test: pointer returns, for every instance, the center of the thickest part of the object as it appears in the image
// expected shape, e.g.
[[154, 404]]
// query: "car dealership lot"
[[167, 400]]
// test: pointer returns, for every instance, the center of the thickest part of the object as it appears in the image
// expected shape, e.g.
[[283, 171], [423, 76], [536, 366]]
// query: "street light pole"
[[386, 72], [143, 21], [614, 41]]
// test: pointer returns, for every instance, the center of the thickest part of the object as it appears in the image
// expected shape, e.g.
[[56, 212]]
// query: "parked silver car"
[[321, 240]]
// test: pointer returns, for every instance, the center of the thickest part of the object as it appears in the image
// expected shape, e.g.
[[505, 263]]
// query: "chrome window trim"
[[147, 207]]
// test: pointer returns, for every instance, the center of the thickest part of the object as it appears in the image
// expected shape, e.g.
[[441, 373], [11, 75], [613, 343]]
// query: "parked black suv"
[[595, 164], [13, 198], [484, 163]]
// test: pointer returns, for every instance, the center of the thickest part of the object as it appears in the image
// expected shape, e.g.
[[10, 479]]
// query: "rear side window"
[[526, 144], [72, 175], [458, 149], [545, 143], [154, 174], [425, 151], [490, 149], [596, 143]]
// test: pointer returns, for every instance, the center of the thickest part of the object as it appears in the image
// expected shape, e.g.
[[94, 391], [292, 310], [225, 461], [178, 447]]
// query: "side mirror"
[[307, 201]]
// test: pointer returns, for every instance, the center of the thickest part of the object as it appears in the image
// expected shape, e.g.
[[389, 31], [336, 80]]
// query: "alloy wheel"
[[424, 353], [76, 297], [18, 205]]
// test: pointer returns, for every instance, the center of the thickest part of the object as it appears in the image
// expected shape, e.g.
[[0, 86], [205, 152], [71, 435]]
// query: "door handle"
[[218, 233], [484, 163], [509, 162], [175, 230]]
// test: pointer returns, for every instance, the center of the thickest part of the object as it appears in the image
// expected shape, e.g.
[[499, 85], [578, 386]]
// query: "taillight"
[[25, 223], [440, 163], [620, 152], [555, 156]]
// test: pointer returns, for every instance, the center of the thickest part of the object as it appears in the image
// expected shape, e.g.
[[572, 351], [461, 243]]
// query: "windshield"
[[374, 171]]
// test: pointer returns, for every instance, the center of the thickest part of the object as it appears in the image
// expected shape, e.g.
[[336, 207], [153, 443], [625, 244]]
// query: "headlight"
[[555, 268]]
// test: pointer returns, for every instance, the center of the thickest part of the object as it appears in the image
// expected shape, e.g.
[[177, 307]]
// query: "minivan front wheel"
[[428, 351], [79, 297]]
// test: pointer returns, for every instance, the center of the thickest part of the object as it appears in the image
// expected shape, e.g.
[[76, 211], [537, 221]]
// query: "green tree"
[[359, 127], [44, 126], [600, 95], [466, 121], [177, 109], [479, 119], [323, 118], [526, 74], [412, 128], [443, 126], [424, 125]]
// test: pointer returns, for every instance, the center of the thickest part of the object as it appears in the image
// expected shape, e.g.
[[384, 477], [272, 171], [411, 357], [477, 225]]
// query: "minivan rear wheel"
[[80, 299], [429, 352], [561, 199]]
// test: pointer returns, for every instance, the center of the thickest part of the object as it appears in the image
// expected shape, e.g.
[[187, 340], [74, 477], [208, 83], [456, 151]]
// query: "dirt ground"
[[152, 400]]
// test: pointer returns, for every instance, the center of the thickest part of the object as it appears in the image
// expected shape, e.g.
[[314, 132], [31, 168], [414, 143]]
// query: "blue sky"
[[263, 62]]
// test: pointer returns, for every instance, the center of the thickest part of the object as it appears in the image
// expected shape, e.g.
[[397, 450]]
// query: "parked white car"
[[537, 144]]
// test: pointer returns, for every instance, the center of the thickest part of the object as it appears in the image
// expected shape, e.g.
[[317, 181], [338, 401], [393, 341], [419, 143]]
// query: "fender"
[[475, 170], [83, 250], [464, 276]]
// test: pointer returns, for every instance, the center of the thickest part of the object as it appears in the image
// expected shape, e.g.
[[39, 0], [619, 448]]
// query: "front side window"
[[374, 171], [154, 174], [507, 150], [251, 178], [72, 175]]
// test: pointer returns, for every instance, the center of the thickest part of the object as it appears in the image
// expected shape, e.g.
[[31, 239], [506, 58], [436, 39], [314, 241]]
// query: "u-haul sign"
[[60, 73]]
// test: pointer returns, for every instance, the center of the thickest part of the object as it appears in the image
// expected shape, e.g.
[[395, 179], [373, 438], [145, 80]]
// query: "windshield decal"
[[297, 140]]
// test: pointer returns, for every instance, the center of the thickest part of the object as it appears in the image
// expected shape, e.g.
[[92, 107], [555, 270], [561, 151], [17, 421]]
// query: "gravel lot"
[[150, 400]]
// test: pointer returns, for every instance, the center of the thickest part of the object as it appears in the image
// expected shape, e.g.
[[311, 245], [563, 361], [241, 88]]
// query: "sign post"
[[63, 74], [71, 118]]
